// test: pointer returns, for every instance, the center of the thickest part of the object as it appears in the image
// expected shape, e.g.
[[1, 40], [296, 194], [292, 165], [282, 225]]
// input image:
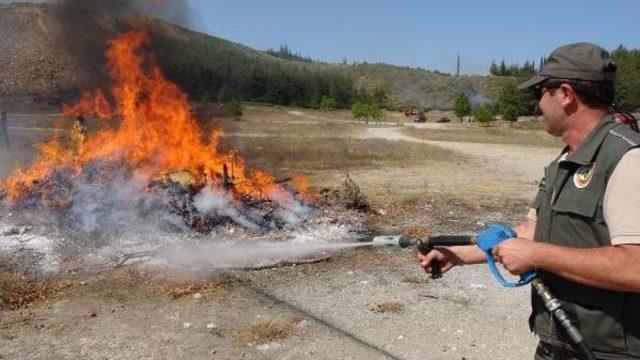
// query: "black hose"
[[448, 240], [553, 305]]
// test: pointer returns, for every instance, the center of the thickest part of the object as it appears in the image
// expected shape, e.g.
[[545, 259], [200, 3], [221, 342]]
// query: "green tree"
[[503, 68], [235, 108], [461, 105], [510, 113], [327, 103], [484, 114], [493, 70], [373, 112], [510, 97], [226, 94], [628, 77], [379, 97], [359, 111]]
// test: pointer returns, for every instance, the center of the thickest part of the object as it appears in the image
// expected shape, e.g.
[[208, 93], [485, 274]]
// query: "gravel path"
[[517, 162]]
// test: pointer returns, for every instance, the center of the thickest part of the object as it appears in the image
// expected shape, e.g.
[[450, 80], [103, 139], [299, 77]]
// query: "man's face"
[[551, 106]]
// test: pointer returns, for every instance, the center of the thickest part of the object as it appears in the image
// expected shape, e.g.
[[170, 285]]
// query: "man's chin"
[[549, 129]]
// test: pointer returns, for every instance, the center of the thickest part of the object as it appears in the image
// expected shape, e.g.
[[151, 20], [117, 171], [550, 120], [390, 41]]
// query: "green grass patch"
[[487, 135]]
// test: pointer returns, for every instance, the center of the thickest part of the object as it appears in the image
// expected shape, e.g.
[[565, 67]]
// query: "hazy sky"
[[427, 34]]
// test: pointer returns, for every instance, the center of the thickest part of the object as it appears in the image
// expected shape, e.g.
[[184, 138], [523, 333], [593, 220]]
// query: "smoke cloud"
[[85, 26]]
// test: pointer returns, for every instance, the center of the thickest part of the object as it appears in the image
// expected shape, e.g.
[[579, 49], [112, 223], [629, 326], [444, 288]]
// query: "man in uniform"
[[582, 233], [80, 128], [3, 128]]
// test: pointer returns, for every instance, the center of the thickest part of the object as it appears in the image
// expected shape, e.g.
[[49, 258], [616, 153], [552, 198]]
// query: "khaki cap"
[[580, 61]]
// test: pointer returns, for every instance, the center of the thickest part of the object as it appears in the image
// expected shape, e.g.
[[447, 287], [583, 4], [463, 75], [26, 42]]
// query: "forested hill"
[[39, 59]]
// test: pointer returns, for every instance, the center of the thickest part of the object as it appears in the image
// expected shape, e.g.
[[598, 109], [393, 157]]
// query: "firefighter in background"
[[3, 129], [80, 132]]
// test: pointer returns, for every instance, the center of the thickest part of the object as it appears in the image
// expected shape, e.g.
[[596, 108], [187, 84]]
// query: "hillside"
[[420, 87], [44, 56]]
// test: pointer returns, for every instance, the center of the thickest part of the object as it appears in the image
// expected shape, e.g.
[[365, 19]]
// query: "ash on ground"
[[50, 250]]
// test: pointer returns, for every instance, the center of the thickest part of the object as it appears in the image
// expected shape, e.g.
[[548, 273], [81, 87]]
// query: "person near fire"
[[80, 129], [4, 123], [582, 233]]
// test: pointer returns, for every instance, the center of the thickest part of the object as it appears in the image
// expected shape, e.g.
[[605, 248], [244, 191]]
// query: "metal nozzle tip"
[[405, 242], [393, 240]]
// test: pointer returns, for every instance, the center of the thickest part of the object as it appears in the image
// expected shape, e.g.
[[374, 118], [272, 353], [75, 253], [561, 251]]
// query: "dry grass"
[[308, 153], [178, 288], [493, 135], [325, 129], [413, 279], [267, 331], [393, 307], [18, 290]]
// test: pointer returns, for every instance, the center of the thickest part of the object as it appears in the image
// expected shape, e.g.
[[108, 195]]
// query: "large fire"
[[157, 133]]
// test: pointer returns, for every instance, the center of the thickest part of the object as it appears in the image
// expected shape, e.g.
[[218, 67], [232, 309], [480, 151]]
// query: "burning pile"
[[151, 163]]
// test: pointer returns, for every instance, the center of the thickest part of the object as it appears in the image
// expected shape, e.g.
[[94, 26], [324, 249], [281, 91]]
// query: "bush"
[[510, 113], [484, 114], [235, 108], [327, 103], [364, 111]]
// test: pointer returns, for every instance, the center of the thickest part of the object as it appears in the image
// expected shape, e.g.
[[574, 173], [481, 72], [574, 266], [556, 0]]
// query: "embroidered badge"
[[583, 176]]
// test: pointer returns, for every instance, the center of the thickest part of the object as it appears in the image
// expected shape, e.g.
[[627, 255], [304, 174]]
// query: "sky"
[[426, 34]]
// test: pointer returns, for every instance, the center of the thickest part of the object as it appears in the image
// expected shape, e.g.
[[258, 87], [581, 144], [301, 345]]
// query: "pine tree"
[[493, 70], [461, 105]]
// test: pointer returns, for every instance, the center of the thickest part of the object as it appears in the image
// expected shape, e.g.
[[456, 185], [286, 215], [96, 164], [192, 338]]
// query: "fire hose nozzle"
[[392, 240]]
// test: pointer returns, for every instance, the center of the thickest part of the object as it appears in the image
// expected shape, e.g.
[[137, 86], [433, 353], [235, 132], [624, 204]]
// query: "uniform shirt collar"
[[589, 147]]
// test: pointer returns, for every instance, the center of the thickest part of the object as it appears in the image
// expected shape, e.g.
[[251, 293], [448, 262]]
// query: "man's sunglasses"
[[539, 90]]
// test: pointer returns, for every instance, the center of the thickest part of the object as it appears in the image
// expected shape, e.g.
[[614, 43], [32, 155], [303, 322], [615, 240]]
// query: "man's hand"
[[444, 256], [450, 257], [517, 255]]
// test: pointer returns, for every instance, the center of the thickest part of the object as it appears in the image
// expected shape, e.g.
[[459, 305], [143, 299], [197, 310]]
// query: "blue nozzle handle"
[[489, 238]]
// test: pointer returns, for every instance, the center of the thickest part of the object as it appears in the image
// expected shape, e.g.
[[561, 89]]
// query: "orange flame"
[[301, 182], [157, 133], [95, 105]]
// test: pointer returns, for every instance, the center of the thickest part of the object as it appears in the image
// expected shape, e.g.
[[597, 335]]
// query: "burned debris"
[[105, 197]]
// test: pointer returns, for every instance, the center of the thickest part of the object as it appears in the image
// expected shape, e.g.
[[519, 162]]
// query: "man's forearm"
[[469, 255], [474, 255], [612, 267]]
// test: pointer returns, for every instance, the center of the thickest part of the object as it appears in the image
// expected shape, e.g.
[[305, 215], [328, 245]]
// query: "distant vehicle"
[[415, 114], [444, 119]]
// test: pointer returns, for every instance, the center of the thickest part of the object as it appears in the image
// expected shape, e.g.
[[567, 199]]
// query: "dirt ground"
[[359, 304]]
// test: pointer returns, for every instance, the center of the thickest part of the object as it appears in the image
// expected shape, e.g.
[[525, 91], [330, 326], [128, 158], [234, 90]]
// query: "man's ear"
[[568, 94]]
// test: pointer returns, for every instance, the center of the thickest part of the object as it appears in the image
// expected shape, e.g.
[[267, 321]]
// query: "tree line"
[[220, 70], [526, 69], [284, 52]]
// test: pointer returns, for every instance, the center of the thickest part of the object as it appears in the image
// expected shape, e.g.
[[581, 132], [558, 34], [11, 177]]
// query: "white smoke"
[[219, 203], [289, 210]]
